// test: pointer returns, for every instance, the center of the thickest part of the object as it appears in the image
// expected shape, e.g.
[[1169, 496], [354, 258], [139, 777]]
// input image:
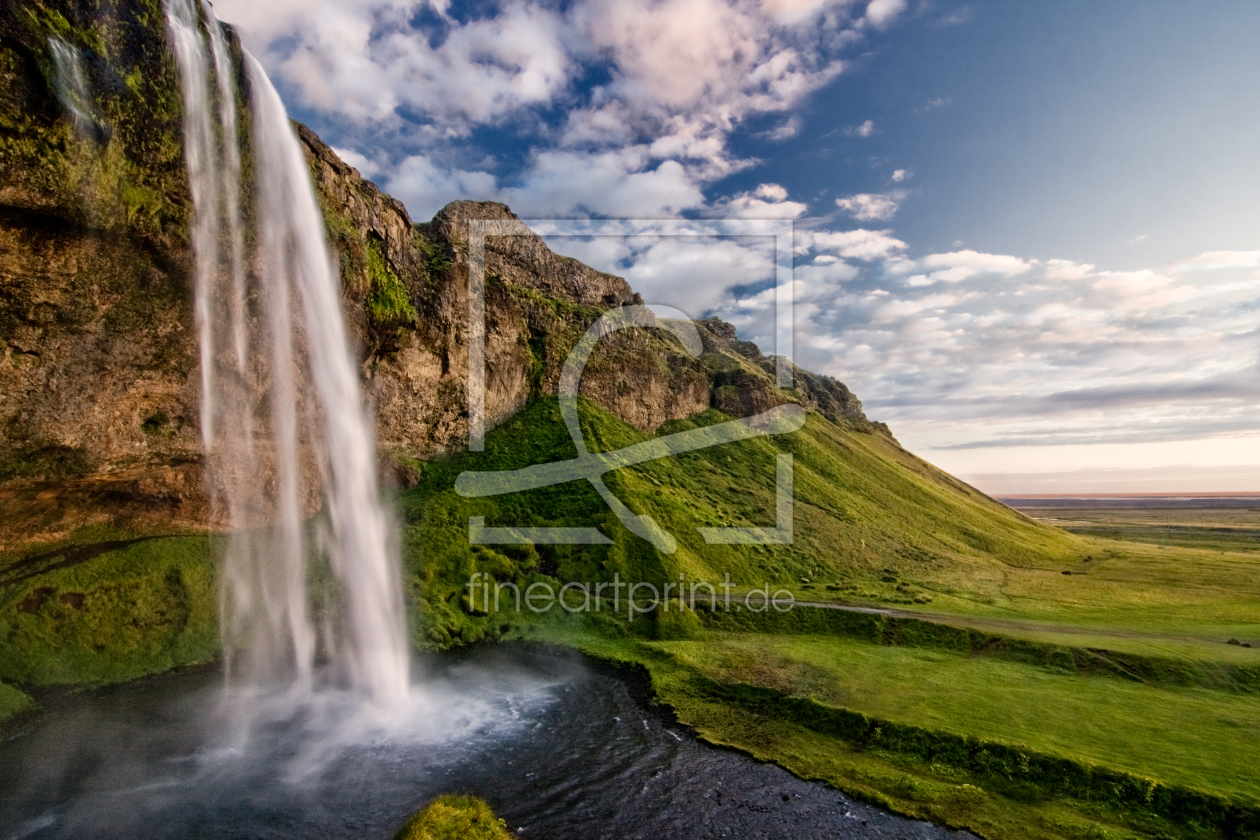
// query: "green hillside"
[[872, 522]]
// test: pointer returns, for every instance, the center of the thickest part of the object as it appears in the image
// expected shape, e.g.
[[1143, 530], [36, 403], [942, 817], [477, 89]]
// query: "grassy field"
[[1131, 596], [1021, 770], [1220, 524], [1164, 732]]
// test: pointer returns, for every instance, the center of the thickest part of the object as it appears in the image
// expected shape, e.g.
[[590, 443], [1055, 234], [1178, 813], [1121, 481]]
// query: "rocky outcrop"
[[538, 304], [99, 371]]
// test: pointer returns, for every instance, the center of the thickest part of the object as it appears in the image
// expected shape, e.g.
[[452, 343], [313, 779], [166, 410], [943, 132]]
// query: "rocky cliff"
[[98, 362]]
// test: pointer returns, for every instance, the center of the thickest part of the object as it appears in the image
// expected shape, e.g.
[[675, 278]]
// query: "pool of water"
[[560, 746]]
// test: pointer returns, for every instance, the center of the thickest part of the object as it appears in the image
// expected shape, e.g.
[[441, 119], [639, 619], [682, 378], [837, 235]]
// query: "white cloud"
[[1217, 260], [697, 274], [880, 13], [768, 201], [425, 187], [680, 76], [367, 168], [868, 207], [976, 350], [866, 129], [853, 244], [784, 131], [977, 262], [902, 175], [614, 183]]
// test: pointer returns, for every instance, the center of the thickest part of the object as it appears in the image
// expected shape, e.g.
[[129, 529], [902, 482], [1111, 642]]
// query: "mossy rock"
[[455, 818]]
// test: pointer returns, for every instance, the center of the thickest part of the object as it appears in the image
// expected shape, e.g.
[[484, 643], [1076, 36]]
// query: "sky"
[[1026, 234]]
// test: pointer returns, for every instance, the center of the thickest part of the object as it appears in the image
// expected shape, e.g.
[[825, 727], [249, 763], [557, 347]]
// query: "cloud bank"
[[626, 108]]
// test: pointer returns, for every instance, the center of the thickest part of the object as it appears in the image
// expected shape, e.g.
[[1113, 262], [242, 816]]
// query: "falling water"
[[71, 83], [282, 416]]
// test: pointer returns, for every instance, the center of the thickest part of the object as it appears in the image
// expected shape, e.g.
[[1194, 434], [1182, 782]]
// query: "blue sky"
[[1027, 232]]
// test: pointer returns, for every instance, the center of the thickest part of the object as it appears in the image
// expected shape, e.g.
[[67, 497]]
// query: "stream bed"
[[559, 745]]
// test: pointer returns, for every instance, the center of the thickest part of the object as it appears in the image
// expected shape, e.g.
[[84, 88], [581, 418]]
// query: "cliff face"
[[97, 399], [99, 372]]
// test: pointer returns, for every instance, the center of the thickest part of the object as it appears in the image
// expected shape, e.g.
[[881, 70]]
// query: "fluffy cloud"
[[367, 167], [1002, 351], [698, 274], [868, 207], [424, 187], [675, 78], [957, 266], [614, 183], [902, 175], [853, 244], [880, 13], [768, 201]]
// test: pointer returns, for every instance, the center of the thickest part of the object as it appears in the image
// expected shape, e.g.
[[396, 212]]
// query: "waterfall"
[[283, 419], [72, 90]]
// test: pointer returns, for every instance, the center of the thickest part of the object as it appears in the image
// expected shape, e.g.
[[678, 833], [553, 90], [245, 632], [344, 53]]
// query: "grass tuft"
[[455, 818]]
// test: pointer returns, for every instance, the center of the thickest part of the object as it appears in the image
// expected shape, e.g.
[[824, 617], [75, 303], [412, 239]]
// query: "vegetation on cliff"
[[107, 611], [118, 163]]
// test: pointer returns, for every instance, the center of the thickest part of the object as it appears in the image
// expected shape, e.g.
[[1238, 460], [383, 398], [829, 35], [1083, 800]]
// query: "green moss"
[[140, 609], [437, 258], [128, 176], [35, 460], [135, 82], [455, 818], [388, 300]]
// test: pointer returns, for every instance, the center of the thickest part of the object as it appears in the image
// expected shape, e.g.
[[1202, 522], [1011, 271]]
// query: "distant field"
[[1220, 523]]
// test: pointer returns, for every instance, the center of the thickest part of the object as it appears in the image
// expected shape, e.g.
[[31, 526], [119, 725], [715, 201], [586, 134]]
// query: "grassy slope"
[[874, 524], [868, 515], [142, 608]]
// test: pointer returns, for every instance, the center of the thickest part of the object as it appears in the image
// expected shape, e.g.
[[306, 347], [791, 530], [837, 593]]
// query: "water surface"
[[560, 746]]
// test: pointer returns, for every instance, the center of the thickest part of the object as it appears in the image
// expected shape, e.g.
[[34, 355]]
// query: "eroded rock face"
[[99, 369], [537, 304]]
